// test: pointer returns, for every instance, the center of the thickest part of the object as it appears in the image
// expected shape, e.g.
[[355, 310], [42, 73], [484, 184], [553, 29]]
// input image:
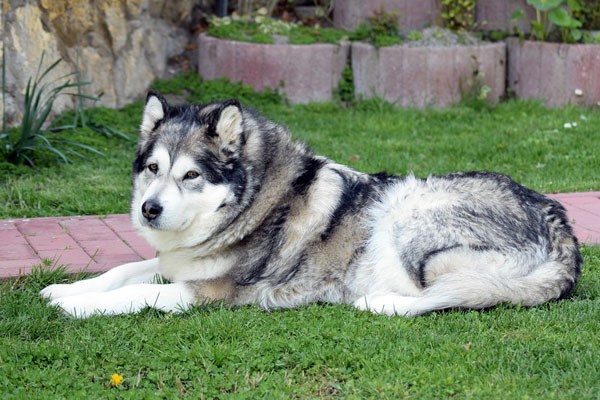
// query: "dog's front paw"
[[77, 306], [58, 290]]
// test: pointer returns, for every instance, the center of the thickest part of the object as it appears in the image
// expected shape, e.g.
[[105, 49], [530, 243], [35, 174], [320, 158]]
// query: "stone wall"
[[123, 45]]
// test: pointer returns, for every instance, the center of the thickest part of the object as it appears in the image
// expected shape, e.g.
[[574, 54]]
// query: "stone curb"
[[308, 72], [557, 73], [426, 76]]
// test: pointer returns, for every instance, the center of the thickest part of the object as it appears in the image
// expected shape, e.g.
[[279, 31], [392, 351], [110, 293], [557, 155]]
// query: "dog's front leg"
[[126, 274], [128, 299]]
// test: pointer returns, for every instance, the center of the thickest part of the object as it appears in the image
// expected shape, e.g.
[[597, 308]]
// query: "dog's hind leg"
[[126, 274], [476, 290]]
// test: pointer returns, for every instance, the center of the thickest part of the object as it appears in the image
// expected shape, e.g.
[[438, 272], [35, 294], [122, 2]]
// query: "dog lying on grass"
[[240, 212]]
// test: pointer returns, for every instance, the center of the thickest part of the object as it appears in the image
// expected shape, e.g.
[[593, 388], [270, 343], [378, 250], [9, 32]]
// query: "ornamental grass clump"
[[35, 136]]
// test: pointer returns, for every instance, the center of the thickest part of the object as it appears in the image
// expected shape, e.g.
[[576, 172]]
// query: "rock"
[[26, 40], [121, 46]]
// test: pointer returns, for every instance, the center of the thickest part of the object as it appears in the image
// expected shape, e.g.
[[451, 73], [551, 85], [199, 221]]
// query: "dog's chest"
[[184, 266]]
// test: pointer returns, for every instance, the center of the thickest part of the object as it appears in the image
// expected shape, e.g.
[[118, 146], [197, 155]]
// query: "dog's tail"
[[481, 288]]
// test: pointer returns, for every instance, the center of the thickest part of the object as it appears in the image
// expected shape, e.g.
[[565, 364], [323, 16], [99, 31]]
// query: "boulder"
[[121, 46]]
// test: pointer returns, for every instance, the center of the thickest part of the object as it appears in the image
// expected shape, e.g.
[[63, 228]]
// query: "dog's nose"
[[151, 210]]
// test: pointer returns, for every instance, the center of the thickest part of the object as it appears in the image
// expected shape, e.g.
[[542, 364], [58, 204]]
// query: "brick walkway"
[[103, 242]]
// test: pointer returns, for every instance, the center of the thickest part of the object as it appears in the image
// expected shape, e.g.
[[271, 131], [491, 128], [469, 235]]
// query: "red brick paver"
[[583, 210], [99, 243], [91, 243]]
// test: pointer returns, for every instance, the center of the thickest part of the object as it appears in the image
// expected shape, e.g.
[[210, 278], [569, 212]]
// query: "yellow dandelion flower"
[[115, 380]]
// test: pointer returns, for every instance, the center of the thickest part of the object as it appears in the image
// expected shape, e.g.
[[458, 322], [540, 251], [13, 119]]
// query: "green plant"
[[261, 29], [414, 36], [20, 144], [198, 90], [345, 89], [551, 14], [458, 15], [474, 91], [590, 38], [381, 29]]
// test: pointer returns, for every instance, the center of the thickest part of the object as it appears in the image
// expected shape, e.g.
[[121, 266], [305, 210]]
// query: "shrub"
[[554, 17], [345, 89], [458, 15], [381, 29], [198, 90], [261, 29], [20, 144]]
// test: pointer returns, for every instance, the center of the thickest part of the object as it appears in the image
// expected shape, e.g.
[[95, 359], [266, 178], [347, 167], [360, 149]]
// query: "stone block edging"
[[426, 76], [556, 73], [308, 72]]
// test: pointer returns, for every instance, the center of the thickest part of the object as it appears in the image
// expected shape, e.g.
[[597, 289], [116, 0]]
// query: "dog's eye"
[[191, 175], [153, 168]]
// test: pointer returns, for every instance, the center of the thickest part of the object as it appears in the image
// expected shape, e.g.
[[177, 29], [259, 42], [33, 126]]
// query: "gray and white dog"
[[239, 212]]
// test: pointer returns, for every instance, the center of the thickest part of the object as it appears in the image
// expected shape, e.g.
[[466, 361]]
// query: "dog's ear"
[[226, 123], [155, 109]]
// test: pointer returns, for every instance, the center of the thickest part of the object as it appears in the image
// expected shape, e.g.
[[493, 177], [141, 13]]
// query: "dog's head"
[[187, 170]]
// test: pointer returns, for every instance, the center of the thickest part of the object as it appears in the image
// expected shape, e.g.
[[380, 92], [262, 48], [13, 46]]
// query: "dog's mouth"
[[158, 225], [153, 224]]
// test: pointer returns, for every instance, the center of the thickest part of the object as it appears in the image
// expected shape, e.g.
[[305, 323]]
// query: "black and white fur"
[[239, 212]]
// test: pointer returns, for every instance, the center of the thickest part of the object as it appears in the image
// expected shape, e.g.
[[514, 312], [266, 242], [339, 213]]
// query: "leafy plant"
[[198, 90], [33, 136], [261, 29], [458, 15], [551, 14], [345, 89], [381, 29], [474, 91], [414, 35]]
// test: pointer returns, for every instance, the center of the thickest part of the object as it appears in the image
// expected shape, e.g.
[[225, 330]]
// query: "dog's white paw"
[[81, 306], [58, 290]]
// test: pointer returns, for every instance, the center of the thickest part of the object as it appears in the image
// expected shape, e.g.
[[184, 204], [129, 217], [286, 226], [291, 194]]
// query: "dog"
[[241, 213]]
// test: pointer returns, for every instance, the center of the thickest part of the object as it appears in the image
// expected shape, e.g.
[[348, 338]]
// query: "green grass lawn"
[[320, 351]]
